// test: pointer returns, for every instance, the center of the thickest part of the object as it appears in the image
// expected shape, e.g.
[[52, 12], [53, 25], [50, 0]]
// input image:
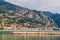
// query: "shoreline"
[[37, 33], [31, 33]]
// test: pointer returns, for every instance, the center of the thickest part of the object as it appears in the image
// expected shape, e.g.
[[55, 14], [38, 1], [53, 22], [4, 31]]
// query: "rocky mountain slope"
[[19, 14], [54, 16]]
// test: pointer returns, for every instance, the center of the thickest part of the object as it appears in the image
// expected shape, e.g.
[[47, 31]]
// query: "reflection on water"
[[15, 37]]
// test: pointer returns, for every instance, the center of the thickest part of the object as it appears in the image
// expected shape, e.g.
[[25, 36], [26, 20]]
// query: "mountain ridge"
[[54, 16], [18, 14]]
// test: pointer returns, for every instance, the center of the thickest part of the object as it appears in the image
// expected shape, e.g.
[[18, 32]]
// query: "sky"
[[44, 5]]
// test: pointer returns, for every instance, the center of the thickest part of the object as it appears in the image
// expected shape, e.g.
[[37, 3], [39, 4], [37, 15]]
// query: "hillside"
[[54, 16], [14, 16]]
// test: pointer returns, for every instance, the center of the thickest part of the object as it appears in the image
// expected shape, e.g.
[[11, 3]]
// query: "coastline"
[[37, 33], [31, 33]]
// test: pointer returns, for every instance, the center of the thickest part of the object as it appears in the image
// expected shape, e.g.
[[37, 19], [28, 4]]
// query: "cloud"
[[50, 5], [22, 1]]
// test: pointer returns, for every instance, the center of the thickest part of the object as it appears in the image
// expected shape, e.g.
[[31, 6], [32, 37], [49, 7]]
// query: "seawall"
[[36, 33]]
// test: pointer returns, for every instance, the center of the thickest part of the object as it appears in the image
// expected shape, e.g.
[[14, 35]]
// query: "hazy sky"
[[47, 5]]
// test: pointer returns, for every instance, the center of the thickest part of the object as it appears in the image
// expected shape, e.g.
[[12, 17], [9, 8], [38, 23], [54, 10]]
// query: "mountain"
[[2, 0], [18, 14], [54, 16]]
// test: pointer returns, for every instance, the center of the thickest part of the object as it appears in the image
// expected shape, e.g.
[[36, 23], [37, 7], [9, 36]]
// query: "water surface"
[[15, 37]]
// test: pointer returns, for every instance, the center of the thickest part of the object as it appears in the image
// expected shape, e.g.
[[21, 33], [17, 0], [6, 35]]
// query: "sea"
[[9, 36]]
